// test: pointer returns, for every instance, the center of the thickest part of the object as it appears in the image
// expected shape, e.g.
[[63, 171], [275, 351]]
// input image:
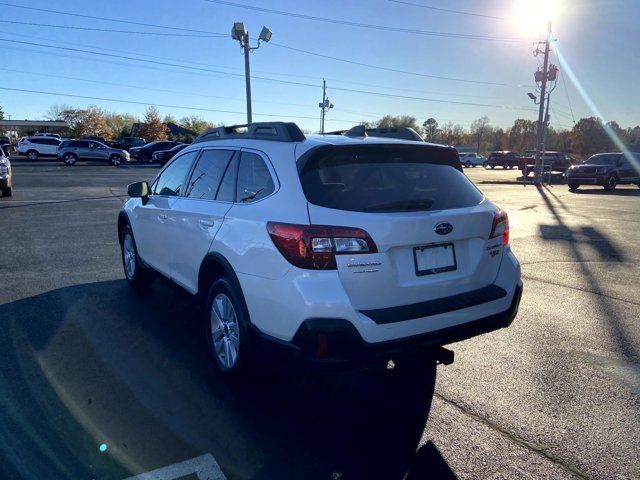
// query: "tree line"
[[94, 121], [588, 135]]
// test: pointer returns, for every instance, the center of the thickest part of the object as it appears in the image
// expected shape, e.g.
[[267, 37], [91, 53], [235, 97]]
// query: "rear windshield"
[[386, 179]]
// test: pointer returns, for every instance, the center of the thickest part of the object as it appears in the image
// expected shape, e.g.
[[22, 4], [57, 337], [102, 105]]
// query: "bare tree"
[[478, 130]]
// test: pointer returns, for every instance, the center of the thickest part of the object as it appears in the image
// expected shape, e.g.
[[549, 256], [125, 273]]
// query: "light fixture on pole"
[[240, 33]]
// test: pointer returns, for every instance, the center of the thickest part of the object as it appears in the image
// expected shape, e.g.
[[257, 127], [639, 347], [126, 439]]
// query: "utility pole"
[[542, 77], [240, 33], [546, 126], [325, 105]]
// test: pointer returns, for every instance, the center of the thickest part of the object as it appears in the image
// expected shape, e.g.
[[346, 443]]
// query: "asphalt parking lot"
[[98, 382]]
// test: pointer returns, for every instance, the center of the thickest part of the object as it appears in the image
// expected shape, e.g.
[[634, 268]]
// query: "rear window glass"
[[386, 179]]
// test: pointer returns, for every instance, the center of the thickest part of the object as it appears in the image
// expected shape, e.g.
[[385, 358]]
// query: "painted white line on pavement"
[[204, 467]]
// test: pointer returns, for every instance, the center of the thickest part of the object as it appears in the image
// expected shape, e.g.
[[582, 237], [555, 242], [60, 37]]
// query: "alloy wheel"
[[129, 256], [225, 333]]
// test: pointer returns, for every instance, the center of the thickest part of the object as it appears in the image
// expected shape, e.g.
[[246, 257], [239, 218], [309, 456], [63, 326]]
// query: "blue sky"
[[598, 38]]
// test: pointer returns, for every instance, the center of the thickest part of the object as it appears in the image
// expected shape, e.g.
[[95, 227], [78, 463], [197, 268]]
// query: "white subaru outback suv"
[[336, 248]]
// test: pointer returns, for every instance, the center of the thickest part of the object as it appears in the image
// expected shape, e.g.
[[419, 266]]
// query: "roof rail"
[[402, 133], [275, 131]]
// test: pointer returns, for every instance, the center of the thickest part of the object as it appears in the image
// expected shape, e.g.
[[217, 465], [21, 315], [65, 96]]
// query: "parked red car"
[[560, 161]]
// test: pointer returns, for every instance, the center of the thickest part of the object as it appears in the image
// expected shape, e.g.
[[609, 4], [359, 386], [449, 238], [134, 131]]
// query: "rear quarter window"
[[386, 179]]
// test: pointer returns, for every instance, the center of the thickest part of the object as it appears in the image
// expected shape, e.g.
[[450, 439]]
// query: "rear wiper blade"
[[401, 205], [252, 196]]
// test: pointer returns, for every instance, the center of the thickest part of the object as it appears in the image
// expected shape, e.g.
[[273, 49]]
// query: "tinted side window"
[[172, 179], [50, 141], [254, 179], [208, 173], [227, 189]]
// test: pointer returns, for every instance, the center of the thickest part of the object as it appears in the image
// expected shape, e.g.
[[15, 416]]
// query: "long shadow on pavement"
[[98, 364]]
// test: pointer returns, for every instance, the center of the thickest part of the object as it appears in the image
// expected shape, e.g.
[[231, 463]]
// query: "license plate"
[[431, 259]]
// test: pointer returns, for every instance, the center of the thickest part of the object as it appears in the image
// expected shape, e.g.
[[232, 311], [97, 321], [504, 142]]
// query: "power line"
[[365, 25], [564, 85], [388, 69], [129, 22], [108, 30], [287, 82], [134, 102], [218, 34], [447, 10]]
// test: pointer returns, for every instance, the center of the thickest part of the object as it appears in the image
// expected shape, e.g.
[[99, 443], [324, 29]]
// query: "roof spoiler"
[[402, 133]]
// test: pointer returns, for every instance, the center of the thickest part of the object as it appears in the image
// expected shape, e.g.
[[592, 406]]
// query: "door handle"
[[162, 216], [205, 223]]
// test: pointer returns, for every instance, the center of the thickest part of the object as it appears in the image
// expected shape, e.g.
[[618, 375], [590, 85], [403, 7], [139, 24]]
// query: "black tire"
[[468, 164], [115, 160], [6, 192], [219, 290], [505, 166], [511, 167], [138, 276], [574, 186], [611, 183], [69, 159], [492, 166], [33, 155], [484, 164]]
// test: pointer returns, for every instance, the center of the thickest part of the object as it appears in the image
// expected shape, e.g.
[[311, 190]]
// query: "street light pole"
[[240, 33], [247, 76]]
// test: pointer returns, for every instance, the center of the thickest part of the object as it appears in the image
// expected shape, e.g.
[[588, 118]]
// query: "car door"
[[198, 214], [152, 218], [100, 152]]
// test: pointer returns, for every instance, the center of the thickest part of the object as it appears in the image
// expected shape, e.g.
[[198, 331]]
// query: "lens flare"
[[566, 68]]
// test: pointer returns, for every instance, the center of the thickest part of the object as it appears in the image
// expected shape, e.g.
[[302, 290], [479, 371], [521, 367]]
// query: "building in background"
[[15, 129]]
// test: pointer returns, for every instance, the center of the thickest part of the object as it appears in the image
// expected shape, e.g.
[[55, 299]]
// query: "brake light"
[[500, 226], [315, 246]]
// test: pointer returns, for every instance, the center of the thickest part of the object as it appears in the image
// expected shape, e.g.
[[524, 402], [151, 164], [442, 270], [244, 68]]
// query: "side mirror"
[[138, 190]]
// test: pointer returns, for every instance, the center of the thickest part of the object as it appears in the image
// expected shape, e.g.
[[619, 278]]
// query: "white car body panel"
[[280, 296]]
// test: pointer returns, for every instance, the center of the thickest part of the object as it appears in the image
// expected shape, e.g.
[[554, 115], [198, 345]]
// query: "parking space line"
[[204, 467]]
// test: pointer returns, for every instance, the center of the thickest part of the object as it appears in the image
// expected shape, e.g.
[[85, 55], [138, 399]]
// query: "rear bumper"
[[5, 182], [342, 344]]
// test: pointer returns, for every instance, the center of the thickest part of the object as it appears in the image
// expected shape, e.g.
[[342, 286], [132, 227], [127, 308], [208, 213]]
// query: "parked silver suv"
[[70, 151]]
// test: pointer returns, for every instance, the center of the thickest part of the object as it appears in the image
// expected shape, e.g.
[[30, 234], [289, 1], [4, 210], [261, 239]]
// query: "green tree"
[[430, 129], [522, 135], [152, 127], [391, 121], [119, 124], [196, 124], [1, 113], [588, 137]]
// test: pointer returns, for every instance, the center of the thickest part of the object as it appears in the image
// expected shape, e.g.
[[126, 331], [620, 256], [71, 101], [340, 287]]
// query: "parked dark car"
[[605, 169], [126, 143], [560, 161], [95, 139], [5, 173], [504, 159], [163, 156], [144, 153]]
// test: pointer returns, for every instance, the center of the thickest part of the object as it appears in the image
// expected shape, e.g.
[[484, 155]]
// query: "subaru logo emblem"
[[443, 228]]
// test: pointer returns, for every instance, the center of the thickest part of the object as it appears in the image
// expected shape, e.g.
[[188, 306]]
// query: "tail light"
[[500, 227], [315, 246]]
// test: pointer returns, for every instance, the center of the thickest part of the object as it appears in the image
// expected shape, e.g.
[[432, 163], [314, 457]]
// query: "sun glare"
[[531, 16]]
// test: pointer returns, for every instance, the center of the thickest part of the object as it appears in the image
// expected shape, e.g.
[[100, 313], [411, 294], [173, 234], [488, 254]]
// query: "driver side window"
[[172, 179]]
